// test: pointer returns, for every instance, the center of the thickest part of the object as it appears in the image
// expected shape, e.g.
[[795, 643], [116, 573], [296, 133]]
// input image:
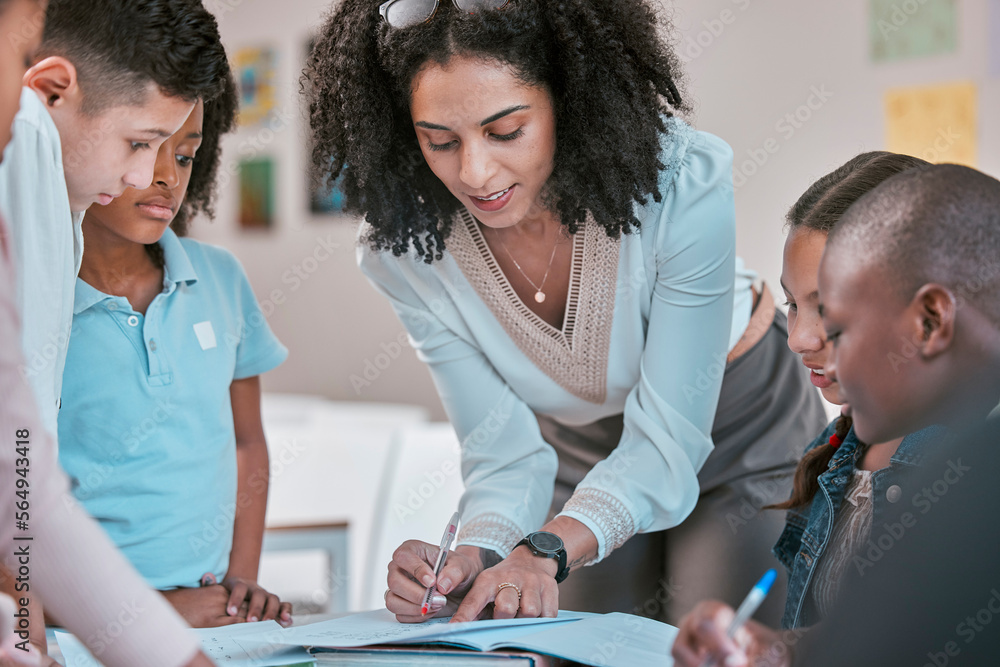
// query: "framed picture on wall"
[[327, 200], [257, 194], [255, 75], [901, 30]]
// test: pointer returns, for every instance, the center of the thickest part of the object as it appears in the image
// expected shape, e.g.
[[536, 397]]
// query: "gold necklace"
[[539, 294]]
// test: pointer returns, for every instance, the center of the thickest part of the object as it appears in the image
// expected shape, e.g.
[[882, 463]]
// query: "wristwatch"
[[548, 545]]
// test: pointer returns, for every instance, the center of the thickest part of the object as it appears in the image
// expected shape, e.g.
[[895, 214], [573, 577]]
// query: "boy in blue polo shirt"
[[160, 428]]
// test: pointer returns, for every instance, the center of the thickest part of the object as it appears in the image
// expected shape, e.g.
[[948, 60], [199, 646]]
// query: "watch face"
[[546, 541]]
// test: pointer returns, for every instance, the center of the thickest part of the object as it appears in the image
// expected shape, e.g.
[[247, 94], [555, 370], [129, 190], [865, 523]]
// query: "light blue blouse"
[[146, 430], [650, 341]]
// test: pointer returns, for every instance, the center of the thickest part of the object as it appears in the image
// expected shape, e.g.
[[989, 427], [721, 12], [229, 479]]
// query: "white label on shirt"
[[205, 334]]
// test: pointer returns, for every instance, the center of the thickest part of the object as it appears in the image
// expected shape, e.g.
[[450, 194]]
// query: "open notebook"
[[611, 640], [240, 645], [607, 640]]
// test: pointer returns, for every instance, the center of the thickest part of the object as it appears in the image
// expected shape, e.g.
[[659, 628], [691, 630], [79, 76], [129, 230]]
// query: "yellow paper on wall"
[[936, 123], [255, 71]]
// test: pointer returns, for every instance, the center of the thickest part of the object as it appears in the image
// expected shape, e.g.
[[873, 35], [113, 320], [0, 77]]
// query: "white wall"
[[765, 64], [760, 66], [324, 311]]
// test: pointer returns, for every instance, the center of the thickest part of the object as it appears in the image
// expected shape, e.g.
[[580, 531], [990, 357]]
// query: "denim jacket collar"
[[808, 529], [912, 451], [916, 447]]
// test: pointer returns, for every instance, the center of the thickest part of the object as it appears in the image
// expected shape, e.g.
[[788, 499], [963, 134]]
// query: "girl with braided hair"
[[842, 486], [560, 247]]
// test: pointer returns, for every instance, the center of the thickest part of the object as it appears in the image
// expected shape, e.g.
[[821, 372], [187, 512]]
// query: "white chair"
[[327, 460], [421, 488]]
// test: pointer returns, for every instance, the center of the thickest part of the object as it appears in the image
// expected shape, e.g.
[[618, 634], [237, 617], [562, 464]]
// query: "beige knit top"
[[849, 536]]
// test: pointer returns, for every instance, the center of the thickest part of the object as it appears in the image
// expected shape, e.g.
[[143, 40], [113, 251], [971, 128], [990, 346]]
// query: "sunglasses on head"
[[406, 13]]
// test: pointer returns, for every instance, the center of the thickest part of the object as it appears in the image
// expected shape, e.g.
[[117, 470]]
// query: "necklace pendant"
[[540, 296]]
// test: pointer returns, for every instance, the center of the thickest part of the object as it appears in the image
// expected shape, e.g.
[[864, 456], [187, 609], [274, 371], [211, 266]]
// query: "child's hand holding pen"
[[715, 634], [702, 632]]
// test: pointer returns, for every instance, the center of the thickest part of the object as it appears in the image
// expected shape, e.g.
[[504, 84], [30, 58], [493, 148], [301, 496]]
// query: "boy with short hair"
[[113, 79], [72, 562], [910, 293], [918, 260]]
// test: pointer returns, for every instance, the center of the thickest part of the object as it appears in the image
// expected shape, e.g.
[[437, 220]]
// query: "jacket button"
[[893, 493]]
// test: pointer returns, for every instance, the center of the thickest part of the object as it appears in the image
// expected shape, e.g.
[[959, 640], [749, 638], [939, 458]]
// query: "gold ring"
[[507, 584], [385, 596]]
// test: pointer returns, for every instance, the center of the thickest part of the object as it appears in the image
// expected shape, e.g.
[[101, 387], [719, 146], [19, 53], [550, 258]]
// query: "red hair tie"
[[836, 441]]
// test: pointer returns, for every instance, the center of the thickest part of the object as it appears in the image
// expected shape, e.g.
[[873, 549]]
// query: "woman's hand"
[[703, 636], [411, 572], [204, 607], [533, 575], [261, 605]]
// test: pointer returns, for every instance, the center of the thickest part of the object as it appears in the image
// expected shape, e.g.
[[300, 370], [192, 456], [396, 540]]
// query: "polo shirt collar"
[[177, 265], [177, 268]]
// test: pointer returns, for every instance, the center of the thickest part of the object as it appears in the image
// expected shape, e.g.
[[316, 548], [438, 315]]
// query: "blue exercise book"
[[608, 640]]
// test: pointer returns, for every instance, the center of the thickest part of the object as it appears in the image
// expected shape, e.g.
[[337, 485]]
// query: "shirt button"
[[893, 493], [133, 321], [152, 345]]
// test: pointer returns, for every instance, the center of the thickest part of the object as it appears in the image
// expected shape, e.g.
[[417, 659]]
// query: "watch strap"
[[559, 555]]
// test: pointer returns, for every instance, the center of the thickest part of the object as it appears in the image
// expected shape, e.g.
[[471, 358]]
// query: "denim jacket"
[[808, 529]]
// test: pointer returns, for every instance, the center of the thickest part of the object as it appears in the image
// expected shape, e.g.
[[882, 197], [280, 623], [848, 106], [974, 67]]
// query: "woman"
[[562, 255]]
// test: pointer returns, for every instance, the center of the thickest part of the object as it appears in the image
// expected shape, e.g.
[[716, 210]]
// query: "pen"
[[749, 606], [449, 535]]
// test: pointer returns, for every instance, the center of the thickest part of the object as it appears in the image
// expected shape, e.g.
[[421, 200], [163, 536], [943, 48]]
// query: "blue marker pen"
[[752, 602], [749, 606]]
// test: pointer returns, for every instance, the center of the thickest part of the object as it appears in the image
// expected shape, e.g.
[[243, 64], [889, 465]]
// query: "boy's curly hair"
[[612, 77], [220, 118]]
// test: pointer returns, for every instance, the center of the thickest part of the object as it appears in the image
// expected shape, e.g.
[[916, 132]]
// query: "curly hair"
[[119, 46], [219, 118], [612, 76]]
